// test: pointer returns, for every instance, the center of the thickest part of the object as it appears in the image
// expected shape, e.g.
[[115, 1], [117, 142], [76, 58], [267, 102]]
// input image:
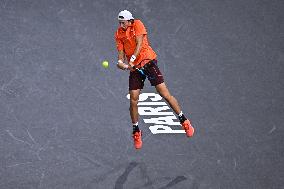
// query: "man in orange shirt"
[[134, 49]]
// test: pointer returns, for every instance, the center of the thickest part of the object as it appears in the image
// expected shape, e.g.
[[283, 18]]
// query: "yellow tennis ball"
[[105, 64]]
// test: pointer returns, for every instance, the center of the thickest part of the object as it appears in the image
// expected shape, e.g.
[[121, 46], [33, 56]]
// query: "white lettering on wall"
[[151, 104]]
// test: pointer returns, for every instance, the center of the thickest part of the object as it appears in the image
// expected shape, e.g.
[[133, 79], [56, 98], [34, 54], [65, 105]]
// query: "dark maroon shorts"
[[153, 73]]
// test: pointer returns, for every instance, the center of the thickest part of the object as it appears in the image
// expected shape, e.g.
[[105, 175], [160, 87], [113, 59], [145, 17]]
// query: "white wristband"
[[119, 61], [133, 58]]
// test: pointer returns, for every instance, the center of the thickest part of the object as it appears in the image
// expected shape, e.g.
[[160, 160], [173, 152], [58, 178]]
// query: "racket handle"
[[141, 71]]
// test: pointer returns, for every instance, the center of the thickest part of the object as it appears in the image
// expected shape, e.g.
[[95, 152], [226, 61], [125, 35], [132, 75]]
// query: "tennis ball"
[[105, 64]]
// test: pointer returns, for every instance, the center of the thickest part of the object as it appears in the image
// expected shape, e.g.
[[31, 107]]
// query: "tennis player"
[[134, 52]]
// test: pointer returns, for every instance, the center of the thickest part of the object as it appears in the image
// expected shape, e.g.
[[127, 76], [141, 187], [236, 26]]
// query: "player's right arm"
[[120, 62], [121, 54]]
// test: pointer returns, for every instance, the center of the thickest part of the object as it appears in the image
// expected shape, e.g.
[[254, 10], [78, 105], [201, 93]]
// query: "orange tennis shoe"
[[137, 137], [189, 130]]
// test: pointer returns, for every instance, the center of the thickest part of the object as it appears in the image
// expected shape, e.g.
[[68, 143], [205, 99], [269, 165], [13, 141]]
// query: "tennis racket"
[[141, 69]]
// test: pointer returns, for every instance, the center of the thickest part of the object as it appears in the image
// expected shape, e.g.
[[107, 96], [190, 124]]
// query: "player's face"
[[124, 24]]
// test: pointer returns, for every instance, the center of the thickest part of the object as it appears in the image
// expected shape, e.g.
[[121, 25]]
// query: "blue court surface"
[[64, 119]]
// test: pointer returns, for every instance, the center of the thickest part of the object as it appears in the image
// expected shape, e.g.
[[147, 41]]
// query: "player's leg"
[[156, 78], [164, 92], [134, 97], [136, 83]]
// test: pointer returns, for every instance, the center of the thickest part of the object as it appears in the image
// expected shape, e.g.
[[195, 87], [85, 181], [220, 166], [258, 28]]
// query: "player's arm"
[[120, 62], [139, 40], [121, 54]]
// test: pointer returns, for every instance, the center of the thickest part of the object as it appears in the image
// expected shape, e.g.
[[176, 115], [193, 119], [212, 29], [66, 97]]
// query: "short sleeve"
[[139, 28], [119, 44]]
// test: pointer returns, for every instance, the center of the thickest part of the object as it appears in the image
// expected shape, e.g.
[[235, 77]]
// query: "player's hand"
[[122, 66], [125, 67], [131, 65]]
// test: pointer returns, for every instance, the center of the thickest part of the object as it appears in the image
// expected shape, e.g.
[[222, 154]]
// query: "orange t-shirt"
[[125, 41]]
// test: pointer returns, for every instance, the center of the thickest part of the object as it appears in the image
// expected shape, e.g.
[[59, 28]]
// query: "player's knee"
[[134, 101]]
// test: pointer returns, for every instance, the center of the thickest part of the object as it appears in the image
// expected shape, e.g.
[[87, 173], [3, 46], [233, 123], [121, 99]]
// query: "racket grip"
[[141, 71]]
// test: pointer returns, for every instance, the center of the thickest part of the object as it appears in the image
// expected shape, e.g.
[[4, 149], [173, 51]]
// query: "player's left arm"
[[139, 40]]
